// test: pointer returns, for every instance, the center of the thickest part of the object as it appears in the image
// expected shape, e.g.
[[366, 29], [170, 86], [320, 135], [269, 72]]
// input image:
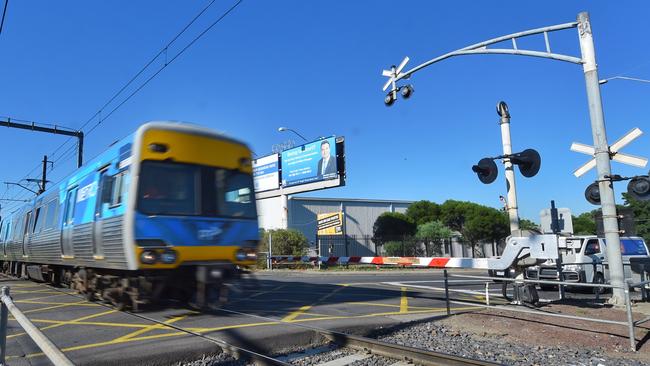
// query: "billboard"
[[266, 175], [330, 223], [308, 163]]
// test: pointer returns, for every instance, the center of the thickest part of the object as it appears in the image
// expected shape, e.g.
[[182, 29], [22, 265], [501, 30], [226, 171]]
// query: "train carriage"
[[166, 211]]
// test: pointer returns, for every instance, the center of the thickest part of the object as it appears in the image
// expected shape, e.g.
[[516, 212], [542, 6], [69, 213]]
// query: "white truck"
[[584, 260]]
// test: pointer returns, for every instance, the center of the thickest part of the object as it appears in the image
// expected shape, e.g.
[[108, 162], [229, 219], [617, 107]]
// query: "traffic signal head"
[[592, 194], [639, 188], [486, 170]]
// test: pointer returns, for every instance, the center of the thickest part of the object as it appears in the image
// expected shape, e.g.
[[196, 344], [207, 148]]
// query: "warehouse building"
[[359, 216]]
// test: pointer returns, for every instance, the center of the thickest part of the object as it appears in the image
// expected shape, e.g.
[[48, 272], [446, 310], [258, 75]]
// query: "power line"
[[167, 63], [4, 13]]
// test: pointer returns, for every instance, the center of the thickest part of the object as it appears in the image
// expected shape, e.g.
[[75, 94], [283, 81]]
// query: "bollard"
[[3, 326], [447, 293], [487, 293]]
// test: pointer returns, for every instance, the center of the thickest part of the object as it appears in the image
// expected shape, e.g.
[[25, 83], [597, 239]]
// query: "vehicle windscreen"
[[633, 247], [167, 188]]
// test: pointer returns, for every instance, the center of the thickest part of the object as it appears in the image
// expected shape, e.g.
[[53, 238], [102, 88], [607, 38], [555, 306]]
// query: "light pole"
[[602, 154], [282, 129], [603, 81]]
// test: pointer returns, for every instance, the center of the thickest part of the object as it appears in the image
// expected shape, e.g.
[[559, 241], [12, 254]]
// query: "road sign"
[[330, 223], [614, 153]]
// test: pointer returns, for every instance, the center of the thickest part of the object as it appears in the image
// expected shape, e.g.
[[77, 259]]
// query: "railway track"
[[361, 347]]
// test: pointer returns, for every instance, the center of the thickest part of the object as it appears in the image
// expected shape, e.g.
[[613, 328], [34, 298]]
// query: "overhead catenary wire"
[[4, 13], [62, 157]]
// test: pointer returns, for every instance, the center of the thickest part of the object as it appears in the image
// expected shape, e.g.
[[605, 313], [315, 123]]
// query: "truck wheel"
[[599, 278]]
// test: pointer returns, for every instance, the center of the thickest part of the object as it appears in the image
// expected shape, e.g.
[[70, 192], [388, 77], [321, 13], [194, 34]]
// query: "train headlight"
[[148, 257], [240, 255], [168, 257]]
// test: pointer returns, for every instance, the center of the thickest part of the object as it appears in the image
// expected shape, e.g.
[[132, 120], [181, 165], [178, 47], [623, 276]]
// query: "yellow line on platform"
[[66, 322], [404, 302]]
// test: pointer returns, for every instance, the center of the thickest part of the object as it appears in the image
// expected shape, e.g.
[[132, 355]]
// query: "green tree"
[[391, 226], [433, 233], [525, 224], [284, 242], [423, 211], [641, 211], [584, 224], [476, 223]]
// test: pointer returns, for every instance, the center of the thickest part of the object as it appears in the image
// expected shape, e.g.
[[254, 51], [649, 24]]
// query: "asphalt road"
[[265, 314]]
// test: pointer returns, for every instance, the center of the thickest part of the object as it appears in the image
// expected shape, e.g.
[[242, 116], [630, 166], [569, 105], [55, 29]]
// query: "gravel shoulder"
[[527, 339]]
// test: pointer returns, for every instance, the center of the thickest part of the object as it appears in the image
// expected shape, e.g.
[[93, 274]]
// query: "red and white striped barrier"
[[430, 262]]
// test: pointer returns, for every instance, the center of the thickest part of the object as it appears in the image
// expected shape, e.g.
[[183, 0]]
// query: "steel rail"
[[386, 349]]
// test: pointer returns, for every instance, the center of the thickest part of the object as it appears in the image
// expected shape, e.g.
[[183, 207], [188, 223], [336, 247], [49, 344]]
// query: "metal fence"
[[49, 349], [630, 323], [365, 246]]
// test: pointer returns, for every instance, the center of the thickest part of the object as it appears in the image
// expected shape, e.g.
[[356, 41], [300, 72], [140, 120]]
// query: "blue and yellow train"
[[168, 211]]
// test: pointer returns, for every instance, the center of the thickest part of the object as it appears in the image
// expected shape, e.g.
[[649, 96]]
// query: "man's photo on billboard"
[[327, 163]]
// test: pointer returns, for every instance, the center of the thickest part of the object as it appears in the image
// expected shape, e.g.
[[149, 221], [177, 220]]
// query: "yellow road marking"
[[80, 303], [104, 324], [61, 323], [293, 315], [150, 328], [236, 326], [52, 303], [44, 297], [404, 302], [362, 303]]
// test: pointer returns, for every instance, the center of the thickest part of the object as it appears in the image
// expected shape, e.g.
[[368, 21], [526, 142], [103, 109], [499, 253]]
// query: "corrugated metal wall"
[[360, 216]]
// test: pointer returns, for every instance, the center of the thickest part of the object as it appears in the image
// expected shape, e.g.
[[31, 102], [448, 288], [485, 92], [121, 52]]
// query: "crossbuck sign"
[[613, 152]]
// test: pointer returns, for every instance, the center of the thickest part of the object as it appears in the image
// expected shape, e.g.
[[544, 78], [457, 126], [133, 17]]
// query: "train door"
[[98, 224], [26, 233], [68, 223]]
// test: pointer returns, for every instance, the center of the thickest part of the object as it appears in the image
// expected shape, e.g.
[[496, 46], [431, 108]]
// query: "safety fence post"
[[487, 293], [447, 292], [3, 327], [630, 319]]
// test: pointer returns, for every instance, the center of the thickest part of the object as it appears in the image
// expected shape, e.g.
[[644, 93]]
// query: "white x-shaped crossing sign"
[[614, 153], [393, 74]]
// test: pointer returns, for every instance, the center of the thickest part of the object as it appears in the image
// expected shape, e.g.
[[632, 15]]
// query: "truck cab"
[[584, 260]]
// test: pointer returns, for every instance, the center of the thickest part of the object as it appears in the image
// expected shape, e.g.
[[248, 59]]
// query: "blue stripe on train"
[[195, 231]]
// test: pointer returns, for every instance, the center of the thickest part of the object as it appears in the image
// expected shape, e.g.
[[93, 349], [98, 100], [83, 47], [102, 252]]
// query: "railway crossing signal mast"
[[601, 148]]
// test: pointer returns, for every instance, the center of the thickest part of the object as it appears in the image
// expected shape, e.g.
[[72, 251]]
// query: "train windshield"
[[167, 188]]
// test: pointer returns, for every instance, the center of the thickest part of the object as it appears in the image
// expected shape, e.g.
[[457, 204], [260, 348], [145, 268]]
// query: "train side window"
[[37, 220], [50, 217], [28, 217], [117, 189]]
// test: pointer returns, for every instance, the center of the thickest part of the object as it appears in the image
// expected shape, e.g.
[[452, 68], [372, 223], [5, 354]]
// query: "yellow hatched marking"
[[62, 323], [84, 303], [293, 315], [80, 303], [149, 328], [237, 326], [43, 297], [102, 324], [33, 292], [404, 302]]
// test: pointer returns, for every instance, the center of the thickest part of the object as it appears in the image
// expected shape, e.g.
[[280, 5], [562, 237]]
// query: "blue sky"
[[316, 66]]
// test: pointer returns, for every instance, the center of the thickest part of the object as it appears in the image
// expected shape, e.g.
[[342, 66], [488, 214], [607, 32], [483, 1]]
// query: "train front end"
[[193, 209]]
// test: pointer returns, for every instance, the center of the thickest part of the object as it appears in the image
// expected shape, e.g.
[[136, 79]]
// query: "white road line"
[[345, 360], [471, 292]]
